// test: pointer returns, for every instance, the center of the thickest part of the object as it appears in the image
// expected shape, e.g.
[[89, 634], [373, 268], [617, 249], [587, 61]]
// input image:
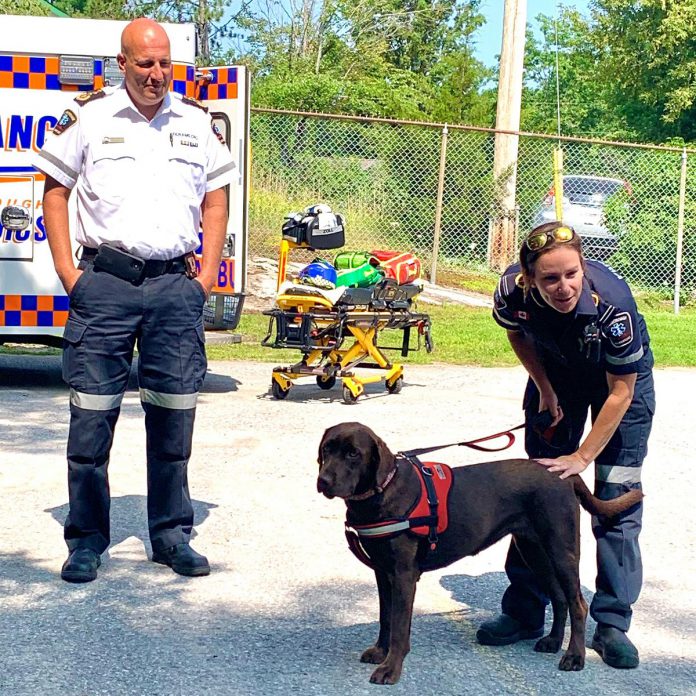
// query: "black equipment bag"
[[317, 230]]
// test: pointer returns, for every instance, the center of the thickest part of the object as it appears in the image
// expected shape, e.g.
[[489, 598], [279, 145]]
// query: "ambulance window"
[[223, 124]]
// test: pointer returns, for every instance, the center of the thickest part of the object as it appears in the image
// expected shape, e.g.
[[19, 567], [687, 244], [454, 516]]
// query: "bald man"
[[149, 171]]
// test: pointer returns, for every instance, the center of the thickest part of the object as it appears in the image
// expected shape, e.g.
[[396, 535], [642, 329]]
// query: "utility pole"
[[502, 242]]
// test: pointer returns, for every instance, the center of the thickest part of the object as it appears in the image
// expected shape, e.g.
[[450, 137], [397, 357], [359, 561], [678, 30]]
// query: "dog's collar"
[[377, 489]]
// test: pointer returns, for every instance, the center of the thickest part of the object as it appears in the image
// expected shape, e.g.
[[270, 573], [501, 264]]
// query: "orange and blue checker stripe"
[[37, 72], [222, 86], [183, 80], [33, 310]]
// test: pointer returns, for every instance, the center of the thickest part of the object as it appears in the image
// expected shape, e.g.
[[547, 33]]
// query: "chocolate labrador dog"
[[485, 503]]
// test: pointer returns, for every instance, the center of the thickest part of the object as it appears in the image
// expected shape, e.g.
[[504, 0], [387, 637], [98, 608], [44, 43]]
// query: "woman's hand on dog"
[[567, 465]]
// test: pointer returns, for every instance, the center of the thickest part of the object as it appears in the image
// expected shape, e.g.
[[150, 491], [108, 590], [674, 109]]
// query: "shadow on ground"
[[129, 518], [139, 630]]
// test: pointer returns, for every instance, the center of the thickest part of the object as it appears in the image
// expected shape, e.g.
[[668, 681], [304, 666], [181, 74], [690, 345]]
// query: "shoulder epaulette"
[[84, 97], [194, 102], [519, 280]]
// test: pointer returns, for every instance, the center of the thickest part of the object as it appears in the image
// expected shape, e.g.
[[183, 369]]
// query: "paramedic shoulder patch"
[[85, 97], [64, 122], [620, 330]]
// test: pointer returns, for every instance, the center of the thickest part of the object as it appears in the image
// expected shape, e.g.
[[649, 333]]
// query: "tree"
[[648, 60], [567, 46], [395, 58], [24, 7]]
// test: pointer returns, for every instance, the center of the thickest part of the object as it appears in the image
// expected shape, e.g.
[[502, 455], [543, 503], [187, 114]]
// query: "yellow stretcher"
[[337, 330]]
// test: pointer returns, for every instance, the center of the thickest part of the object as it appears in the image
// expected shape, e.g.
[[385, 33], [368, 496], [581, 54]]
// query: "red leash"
[[473, 444]]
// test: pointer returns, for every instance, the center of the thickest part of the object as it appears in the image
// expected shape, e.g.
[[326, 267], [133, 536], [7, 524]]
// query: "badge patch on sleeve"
[[217, 132], [64, 122], [620, 330]]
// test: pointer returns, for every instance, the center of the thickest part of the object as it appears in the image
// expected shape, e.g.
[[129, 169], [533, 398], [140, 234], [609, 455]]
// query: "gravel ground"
[[287, 609]]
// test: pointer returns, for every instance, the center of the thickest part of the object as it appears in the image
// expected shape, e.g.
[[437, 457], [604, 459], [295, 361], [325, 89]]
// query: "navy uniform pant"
[[617, 470], [108, 318]]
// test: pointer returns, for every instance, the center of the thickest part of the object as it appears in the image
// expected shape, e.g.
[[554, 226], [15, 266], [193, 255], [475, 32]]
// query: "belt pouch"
[[119, 263]]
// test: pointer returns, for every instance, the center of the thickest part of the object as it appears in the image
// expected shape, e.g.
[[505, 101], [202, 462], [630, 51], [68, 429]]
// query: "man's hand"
[[206, 284], [69, 279], [568, 464]]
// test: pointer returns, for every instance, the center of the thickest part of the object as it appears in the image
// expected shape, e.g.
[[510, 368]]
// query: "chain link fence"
[[430, 189]]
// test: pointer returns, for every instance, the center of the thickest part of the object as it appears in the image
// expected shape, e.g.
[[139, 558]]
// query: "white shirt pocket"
[[110, 171], [187, 171]]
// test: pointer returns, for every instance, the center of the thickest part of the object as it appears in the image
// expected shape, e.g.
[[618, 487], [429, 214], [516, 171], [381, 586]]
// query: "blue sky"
[[490, 36]]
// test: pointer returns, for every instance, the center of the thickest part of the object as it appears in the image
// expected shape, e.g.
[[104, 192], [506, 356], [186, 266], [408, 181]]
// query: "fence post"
[[680, 232], [438, 205]]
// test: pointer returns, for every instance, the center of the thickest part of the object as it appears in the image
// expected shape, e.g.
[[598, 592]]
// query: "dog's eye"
[[352, 453]]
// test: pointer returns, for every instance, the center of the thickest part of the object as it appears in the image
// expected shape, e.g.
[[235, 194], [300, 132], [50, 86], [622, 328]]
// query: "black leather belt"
[[151, 267]]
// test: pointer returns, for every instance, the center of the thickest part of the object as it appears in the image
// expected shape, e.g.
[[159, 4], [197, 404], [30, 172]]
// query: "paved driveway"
[[287, 609]]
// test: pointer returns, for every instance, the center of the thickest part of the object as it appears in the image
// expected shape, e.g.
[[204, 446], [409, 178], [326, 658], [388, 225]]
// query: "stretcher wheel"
[[395, 386], [348, 395], [326, 382], [278, 391]]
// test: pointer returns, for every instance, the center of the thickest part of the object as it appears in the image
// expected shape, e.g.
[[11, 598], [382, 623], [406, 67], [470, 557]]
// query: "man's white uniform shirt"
[[139, 184]]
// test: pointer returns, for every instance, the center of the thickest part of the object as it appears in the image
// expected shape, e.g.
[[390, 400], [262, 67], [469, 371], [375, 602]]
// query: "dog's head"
[[352, 460]]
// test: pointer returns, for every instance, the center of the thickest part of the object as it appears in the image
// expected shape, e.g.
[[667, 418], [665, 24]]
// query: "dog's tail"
[[606, 508]]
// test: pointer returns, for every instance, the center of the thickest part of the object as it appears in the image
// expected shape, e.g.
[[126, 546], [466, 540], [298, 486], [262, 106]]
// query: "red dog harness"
[[427, 517]]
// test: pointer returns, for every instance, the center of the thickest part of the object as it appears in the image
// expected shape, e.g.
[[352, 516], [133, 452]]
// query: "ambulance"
[[44, 63]]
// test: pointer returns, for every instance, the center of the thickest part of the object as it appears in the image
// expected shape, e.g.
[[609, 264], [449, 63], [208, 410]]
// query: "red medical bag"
[[404, 267]]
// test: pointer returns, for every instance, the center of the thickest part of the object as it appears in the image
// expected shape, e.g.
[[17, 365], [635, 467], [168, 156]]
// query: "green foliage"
[[646, 223], [649, 59], [25, 7], [585, 107], [625, 72], [410, 60]]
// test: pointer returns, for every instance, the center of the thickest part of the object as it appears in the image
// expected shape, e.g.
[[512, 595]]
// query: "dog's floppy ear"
[[320, 457], [382, 459]]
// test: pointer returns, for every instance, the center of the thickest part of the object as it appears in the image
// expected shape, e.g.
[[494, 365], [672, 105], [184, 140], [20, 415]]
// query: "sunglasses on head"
[[538, 240]]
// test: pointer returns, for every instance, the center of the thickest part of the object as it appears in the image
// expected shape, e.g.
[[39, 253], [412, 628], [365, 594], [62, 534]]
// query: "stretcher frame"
[[339, 340]]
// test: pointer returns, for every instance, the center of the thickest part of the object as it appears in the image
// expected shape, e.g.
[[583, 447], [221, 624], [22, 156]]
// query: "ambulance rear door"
[[224, 90]]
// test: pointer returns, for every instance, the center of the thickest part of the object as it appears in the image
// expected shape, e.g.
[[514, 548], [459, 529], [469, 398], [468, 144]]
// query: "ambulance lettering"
[[23, 133]]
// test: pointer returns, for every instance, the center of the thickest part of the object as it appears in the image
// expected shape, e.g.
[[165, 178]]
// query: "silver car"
[[584, 201]]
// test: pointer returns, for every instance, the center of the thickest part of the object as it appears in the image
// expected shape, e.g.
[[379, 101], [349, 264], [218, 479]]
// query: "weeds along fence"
[[429, 188]]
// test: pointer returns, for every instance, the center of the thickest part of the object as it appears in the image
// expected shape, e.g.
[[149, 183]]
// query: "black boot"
[[614, 647], [81, 566], [504, 630], [182, 559]]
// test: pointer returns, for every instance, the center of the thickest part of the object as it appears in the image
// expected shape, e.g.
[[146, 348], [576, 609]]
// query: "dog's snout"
[[324, 484]]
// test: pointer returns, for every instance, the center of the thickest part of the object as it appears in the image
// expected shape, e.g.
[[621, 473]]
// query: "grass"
[[462, 335], [469, 336]]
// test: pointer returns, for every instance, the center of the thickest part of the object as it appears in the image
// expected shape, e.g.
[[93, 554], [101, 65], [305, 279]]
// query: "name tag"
[[112, 139], [183, 139]]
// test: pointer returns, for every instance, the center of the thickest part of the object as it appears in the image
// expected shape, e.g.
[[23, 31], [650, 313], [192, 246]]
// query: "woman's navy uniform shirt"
[[604, 333]]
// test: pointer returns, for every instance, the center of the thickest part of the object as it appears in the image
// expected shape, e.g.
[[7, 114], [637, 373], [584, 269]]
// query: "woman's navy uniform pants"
[[617, 470]]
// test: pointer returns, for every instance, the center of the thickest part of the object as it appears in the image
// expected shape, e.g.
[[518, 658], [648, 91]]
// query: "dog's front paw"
[[374, 655], [548, 644], [571, 662], [386, 674]]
